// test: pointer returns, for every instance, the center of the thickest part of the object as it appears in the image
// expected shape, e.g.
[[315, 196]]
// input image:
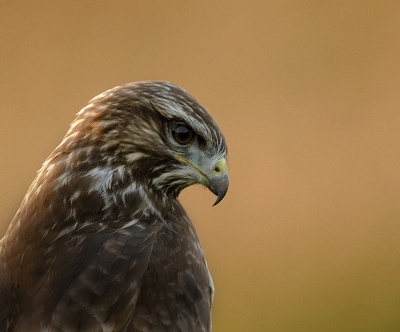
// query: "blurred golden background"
[[308, 96]]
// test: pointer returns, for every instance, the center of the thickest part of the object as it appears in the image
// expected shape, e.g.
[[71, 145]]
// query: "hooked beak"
[[217, 180]]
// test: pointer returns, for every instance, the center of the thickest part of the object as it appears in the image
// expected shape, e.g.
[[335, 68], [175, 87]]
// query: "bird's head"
[[155, 132]]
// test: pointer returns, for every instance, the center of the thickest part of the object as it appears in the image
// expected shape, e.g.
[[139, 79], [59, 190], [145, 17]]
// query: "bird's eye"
[[182, 134]]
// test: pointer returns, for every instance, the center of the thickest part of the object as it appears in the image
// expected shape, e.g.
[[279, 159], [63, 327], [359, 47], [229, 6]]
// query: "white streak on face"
[[167, 176], [132, 157], [156, 168]]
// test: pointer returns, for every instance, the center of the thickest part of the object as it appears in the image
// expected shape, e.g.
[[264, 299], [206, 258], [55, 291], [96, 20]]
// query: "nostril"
[[216, 169]]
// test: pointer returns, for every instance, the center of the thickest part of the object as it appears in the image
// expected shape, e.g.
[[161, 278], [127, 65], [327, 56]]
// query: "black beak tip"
[[221, 194], [219, 186]]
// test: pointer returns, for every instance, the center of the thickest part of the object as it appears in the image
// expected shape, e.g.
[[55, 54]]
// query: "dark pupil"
[[182, 134]]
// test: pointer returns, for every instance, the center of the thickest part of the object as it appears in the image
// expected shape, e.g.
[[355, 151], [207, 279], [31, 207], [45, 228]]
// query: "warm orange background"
[[308, 96]]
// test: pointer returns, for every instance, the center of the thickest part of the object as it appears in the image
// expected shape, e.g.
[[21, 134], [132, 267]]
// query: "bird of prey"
[[101, 241]]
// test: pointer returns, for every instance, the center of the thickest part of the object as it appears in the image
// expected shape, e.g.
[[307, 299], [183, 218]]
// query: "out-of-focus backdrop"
[[307, 94]]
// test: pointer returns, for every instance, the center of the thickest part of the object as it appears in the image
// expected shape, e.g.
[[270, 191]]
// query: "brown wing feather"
[[100, 288]]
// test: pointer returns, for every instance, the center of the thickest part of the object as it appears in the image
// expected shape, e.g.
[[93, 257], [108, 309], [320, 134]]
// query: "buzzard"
[[101, 241]]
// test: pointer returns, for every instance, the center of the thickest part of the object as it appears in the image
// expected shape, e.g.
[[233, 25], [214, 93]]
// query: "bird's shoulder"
[[89, 282]]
